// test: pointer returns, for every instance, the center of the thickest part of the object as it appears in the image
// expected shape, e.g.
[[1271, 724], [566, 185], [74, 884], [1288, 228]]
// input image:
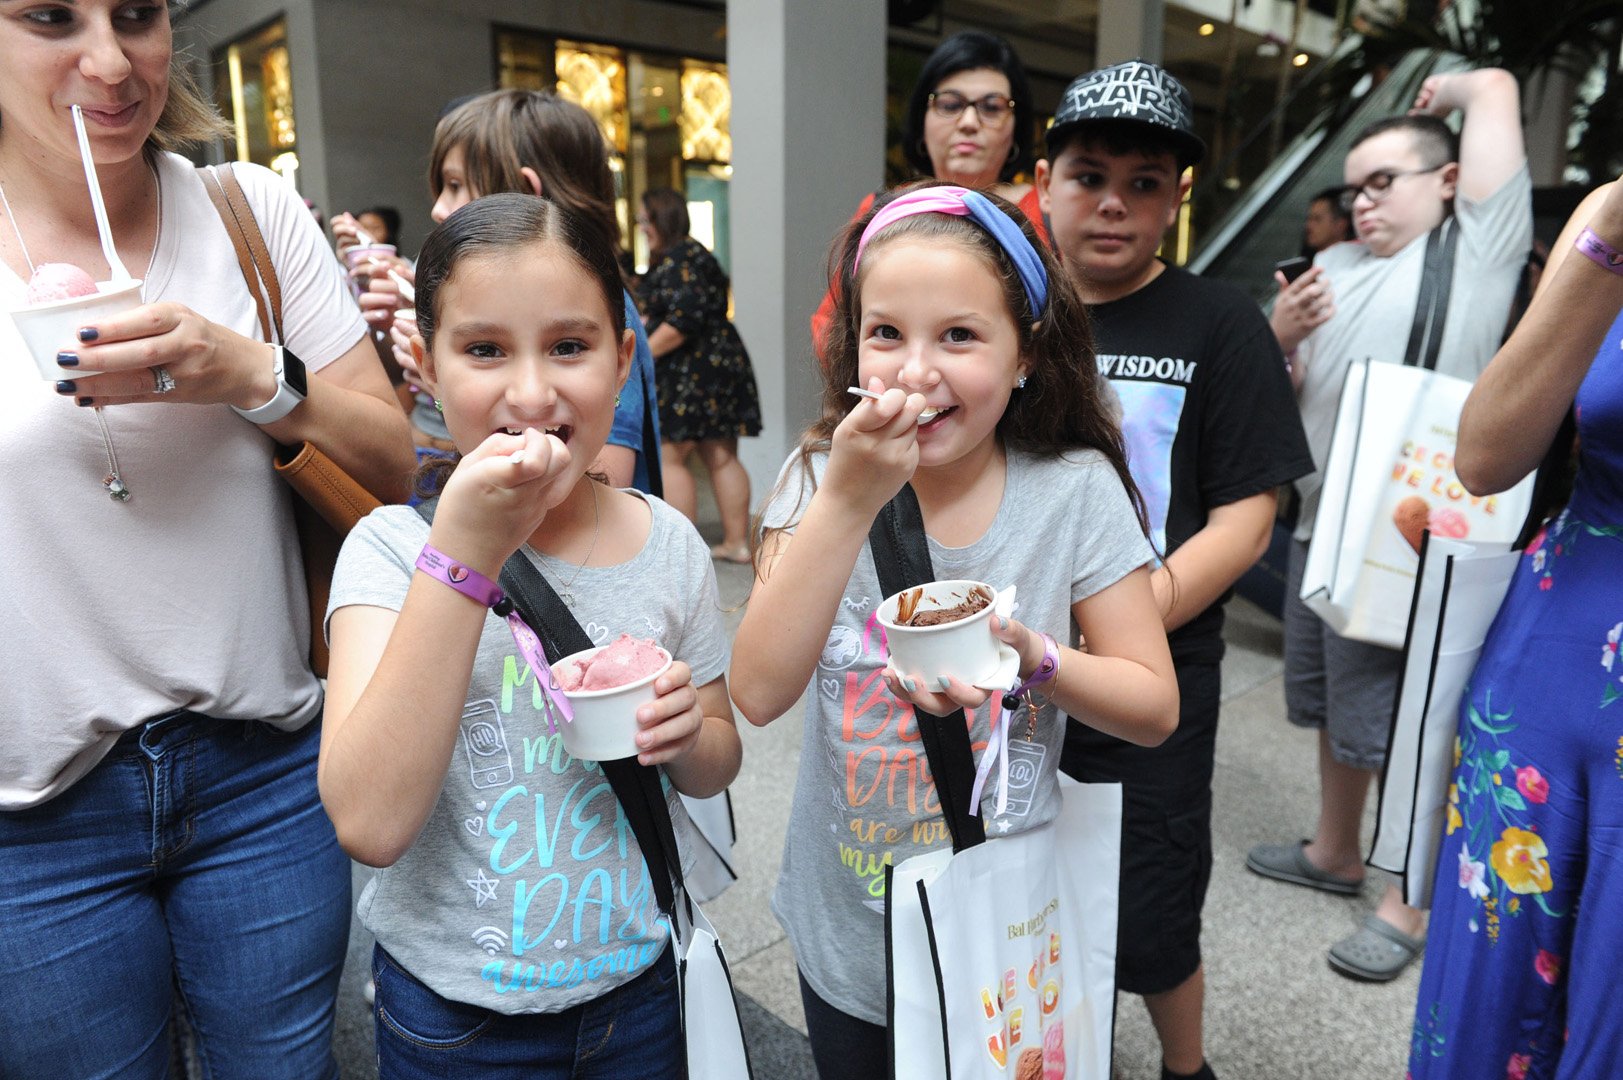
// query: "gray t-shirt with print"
[[1375, 305], [526, 891], [1064, 530]]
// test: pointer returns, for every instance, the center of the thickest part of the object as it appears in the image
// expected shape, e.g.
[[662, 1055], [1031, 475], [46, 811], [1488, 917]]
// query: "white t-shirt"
[[191, 594], [1375, 305]]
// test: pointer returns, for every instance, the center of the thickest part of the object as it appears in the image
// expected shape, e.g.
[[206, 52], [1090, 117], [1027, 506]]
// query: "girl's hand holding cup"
[[875, 449], [669, 726], [498, 496], [941, 699]]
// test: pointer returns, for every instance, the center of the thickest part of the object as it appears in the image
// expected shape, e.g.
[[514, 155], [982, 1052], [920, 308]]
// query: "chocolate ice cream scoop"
[[977, 599]]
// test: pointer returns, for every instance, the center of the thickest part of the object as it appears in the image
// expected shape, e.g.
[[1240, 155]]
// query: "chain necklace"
[[565, 588], [117, 490]]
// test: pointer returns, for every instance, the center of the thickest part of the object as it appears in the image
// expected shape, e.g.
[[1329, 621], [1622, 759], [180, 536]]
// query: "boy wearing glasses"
[[1404, 175], [1211, 433]]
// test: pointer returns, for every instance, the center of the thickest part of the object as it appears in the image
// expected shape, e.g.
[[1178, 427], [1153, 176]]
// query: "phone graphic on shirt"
[[482, 734], [1025, 765]]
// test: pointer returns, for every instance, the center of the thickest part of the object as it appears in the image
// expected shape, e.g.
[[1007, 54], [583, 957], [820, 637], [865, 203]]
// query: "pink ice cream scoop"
[[1449, 522], [624, 660], [58, 281]]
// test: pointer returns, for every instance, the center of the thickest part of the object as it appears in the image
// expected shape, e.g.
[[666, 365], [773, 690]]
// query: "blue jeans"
[[634, 1031], [194, 860]]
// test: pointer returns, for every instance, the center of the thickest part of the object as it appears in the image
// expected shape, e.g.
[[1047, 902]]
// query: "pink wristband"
[[1599, 251]]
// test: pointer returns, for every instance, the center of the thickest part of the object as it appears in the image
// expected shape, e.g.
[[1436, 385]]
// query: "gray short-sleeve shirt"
[[1375, 305], [864, 797], [526, 891]]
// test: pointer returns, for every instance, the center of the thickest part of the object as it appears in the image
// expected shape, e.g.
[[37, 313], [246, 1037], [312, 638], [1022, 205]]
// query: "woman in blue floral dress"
[[1526, 939]]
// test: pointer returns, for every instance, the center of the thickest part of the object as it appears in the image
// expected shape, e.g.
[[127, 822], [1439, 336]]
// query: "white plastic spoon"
[[114, 264]]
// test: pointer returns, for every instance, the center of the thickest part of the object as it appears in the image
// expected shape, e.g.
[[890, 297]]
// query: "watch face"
[[293, 373]]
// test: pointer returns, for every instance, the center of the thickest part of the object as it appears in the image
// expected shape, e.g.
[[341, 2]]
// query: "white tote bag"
[[1389, 479], [712, 869], [710, 1024], [1456, 597], [1003, 956]]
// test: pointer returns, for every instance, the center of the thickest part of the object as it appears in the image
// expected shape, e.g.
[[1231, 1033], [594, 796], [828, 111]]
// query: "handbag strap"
[[1436, 283], [636, 786], [253, 255], [901, 555]]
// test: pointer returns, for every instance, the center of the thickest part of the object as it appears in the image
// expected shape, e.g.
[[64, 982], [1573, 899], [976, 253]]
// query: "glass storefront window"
[[254, 83]]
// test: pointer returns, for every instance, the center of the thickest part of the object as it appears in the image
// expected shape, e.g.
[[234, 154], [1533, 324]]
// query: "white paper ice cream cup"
[[965, 650], [53, 326], [605, 724]]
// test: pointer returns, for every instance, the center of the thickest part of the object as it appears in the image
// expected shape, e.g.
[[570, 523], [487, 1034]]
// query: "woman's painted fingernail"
[[88, 333], [941, 684], [66, 386], [1002, 622], [67, 359], [910, 686], [87, 401]]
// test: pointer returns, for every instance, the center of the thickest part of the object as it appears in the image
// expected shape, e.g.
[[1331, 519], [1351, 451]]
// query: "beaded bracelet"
[[1599, 251]]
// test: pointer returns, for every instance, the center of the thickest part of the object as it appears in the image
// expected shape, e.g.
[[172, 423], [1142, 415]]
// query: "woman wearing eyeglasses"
[[968, 122]]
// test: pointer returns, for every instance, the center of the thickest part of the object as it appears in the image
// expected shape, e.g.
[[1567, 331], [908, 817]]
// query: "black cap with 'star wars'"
[[1137, 92]]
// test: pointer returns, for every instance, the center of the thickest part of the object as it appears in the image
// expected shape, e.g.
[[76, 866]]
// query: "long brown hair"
[[504, 131], [1062, 407]]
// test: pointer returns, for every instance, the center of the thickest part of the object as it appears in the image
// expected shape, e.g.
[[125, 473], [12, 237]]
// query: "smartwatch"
[[292, 387]]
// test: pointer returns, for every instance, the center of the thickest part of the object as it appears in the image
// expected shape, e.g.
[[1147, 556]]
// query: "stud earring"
[[1020, 383], [616, 401], [439, 406]]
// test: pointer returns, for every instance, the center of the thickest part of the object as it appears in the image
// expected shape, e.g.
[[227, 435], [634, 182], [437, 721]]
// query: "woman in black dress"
[[707, 393]]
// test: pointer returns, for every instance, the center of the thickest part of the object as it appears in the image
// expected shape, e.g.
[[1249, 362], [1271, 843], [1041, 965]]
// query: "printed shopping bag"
[[1389, 479], [1005, 965], [1457, 595]]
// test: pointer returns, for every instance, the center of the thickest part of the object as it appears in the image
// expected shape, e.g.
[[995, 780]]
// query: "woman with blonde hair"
[[160, 830]]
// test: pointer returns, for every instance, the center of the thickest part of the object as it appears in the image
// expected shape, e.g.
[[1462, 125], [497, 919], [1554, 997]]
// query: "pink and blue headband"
[[962, 202]]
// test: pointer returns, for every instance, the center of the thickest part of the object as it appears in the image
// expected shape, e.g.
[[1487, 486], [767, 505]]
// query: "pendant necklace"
[[565, 588], [117, 490]]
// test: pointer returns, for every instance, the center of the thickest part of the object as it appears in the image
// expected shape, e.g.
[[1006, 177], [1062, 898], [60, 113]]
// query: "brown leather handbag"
[[330, 500]]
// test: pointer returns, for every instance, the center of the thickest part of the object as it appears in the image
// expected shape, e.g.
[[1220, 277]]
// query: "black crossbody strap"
[[636, 786], [650, 441], [1431, 309], [901, 555]]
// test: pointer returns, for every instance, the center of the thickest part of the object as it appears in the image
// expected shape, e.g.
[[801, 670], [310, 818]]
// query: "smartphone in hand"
[[1294, 267]]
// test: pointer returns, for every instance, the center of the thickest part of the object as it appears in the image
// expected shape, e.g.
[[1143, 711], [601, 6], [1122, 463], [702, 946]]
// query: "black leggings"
[[843, 1047]]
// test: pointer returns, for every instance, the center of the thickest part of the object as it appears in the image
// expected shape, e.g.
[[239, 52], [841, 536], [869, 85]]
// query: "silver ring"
[[162, 381]]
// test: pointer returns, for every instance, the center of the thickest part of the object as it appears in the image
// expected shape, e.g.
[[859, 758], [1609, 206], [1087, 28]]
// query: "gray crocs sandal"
[[1289, 862], [1375, 952]]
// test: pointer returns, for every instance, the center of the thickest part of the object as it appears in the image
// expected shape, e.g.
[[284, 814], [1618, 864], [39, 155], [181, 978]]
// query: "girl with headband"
[[989, 406]]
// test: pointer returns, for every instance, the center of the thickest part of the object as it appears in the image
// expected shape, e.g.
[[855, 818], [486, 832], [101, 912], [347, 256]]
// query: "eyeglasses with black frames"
[[994, 110], [1378, 185]]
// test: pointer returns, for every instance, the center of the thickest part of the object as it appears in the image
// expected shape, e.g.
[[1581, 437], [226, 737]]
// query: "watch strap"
[[284, 401]]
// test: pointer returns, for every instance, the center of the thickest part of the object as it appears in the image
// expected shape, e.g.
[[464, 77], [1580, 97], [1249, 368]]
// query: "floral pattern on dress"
[[1560, 539], [1502, 858]]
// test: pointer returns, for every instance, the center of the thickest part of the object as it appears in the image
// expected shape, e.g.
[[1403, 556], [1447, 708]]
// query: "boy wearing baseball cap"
[[1212, 431]]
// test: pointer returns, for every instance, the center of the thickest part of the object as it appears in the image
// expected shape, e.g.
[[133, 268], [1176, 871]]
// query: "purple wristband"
[[1047, 668], [464, 579], [476, 586], [1599, 251]]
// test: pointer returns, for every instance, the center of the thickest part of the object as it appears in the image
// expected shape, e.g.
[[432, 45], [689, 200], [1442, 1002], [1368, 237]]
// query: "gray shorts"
[[1334, 683]]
